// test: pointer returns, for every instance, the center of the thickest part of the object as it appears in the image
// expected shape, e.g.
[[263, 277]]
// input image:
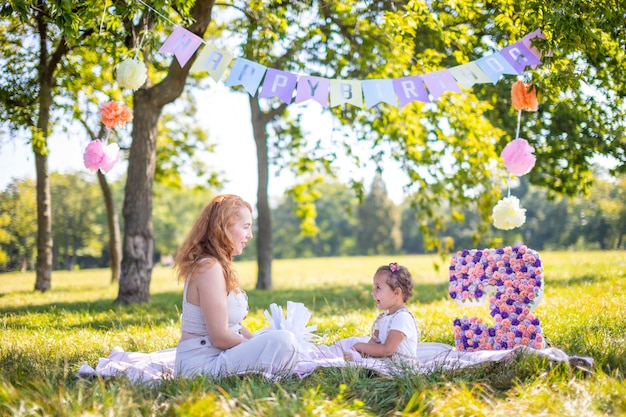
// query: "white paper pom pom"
[[131, 73], [508, 214]]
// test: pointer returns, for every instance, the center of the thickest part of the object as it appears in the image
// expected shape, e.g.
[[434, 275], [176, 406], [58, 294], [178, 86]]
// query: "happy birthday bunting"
[[182, 43], [313, 88], [469, 74], [410, 89], [379, 91], [346, 92], [279, 84], [397, 92], [519, 56], [494, 66], [439, 82], [247, 74], [212, 60]]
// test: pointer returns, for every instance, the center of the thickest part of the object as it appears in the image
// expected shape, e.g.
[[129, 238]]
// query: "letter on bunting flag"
[[377, 91], [410, 88], [182, 44], [439, 82], [469, 74], [279, 84], [519, 56], [346, 91], [527, 40], [246, 73], [315, 88], [212, 60], [494, 66]]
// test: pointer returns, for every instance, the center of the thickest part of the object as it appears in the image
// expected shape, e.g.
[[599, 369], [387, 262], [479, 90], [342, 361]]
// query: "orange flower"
[[524, 96], [114, 113]]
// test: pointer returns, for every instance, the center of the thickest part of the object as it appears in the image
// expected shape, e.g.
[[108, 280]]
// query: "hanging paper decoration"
[[182, 43], [524, 96], [131, 73], [518, 157], [113, 114], [313, 88], [508, 214], [426, 87], [99, 156]]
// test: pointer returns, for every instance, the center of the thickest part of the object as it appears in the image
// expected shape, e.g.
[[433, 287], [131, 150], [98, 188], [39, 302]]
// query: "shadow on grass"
[[166, 306]]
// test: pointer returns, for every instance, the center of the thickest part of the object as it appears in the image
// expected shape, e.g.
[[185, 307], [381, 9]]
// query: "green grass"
[[44, 338]]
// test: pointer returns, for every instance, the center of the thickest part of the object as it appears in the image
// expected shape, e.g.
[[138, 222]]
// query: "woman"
[[213, 341]]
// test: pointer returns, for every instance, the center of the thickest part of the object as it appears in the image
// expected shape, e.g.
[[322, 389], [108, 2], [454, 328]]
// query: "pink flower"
[[518, 157]]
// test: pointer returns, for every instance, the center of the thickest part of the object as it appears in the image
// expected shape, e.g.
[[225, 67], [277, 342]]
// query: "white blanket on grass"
[[155, 366]]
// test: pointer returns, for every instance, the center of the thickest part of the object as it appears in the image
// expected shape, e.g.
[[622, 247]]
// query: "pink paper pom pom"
[[111, 156], [94, 155], [518, 157], [100, 156]]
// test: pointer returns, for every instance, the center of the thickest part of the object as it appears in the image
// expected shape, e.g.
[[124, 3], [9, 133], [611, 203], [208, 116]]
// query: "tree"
[[75, 229], [379, 220], [450, 147], [335, 210], [34, 39], [148, 104], [18, 225], [297, 36]]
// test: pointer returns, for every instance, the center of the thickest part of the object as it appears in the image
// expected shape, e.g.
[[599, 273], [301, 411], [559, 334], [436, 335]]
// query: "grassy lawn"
[[44, 339]]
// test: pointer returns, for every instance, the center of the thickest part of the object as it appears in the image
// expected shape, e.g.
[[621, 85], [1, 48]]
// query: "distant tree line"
[[344, 225]]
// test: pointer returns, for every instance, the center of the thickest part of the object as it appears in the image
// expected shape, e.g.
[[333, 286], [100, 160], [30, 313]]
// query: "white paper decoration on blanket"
[[295, 321]]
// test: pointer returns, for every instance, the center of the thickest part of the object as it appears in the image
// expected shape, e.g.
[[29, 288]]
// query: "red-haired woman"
[[213, 341]]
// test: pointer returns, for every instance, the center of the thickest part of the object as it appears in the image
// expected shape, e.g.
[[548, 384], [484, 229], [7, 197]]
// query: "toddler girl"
[[395, 332]]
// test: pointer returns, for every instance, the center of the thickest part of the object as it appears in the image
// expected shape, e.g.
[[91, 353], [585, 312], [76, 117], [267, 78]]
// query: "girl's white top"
[[402, 321]]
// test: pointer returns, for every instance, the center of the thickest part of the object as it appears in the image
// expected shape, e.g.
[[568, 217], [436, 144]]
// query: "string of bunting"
[[273, 82], [296, 88]]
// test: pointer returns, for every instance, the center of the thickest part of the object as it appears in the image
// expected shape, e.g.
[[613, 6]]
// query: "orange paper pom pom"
[[524, 96], [114, 113]]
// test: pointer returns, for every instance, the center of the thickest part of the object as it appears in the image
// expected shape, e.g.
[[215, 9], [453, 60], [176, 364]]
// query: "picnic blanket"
[[431, 357]]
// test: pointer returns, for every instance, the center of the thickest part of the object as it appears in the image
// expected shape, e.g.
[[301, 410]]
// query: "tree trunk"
[[148, 102], [265, 250], [138, 237], [115, 240], [44, 224]]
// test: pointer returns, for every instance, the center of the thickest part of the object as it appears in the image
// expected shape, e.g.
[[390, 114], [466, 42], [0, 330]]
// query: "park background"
[[449, 151]]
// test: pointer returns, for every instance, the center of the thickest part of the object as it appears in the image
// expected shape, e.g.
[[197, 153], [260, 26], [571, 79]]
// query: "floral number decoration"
[[511, 280]]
